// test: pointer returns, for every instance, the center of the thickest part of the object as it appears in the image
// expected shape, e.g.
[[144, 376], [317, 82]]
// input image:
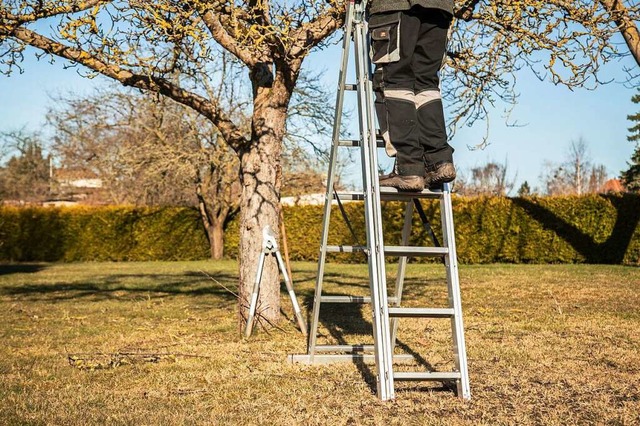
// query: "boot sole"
[[419, 186]]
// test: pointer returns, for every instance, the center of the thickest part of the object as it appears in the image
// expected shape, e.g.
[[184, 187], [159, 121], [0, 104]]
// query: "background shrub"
[[586, 229], [100, 234]]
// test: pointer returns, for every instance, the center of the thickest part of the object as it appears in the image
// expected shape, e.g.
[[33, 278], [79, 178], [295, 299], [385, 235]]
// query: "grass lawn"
[[158, 344]]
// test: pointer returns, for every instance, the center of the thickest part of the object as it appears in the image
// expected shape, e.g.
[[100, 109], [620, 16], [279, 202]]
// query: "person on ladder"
[[408, 43]]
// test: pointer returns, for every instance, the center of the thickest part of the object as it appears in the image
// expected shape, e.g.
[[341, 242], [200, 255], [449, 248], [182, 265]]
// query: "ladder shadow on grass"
[[421, 361], [341, 320], [346, 280]]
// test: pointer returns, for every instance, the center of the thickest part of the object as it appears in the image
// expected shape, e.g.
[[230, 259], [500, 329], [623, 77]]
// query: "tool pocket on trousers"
[[385, 37]]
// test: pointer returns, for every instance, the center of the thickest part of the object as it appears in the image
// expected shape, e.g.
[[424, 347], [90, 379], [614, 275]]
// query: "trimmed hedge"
[[587, 229], [100, 234]]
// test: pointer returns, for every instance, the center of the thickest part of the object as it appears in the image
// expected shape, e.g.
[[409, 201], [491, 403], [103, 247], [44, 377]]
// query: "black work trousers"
[[407, 49]]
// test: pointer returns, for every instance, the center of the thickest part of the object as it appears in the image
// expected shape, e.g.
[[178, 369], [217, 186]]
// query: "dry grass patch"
[[157, 343]]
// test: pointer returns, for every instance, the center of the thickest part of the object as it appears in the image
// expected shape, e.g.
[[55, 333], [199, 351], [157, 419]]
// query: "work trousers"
[[407, 48]]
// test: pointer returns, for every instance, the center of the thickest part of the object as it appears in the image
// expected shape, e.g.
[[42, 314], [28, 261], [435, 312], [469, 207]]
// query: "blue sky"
[[550, 118], [554, 116]]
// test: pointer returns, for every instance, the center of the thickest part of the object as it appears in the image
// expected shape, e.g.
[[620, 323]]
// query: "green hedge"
[[100, 234], [589, 229], [586, 229]]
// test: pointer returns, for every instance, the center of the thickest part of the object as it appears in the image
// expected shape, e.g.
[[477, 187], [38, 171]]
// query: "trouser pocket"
[[385, 37]]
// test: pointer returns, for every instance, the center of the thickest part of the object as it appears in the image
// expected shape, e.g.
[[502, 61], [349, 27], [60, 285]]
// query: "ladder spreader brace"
[[385, 310]]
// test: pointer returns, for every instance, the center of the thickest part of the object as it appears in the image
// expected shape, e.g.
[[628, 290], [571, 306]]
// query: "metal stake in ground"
[[270, 246]]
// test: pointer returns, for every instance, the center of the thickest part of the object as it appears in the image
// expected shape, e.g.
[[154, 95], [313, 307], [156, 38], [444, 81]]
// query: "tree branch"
[[43, 12], [466, 11], [313, 32], [208, 108], [620, 15], [260, 10], [213, 23]]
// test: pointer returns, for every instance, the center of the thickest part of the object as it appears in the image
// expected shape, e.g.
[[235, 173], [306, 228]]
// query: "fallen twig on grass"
[[99, 360]]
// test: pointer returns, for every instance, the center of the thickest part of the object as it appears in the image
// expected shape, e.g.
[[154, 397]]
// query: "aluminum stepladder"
[[384, 329]]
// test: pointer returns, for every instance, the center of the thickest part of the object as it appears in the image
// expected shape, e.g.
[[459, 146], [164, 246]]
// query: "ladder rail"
[[292, 295], [335, 142], [455, 301], [377, 275]]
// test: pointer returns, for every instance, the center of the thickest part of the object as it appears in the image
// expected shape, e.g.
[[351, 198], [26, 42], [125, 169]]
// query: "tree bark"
[[213, 225], [260, 204], [216, 239]]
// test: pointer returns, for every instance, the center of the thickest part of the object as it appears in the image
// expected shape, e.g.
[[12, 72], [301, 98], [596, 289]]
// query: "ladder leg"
[[455, 301], [292, 295], [254, 296], [377, 278], [402, 268], [335, 143]]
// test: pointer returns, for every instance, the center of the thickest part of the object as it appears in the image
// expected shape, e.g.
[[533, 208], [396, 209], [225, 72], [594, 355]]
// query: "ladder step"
[[338, 358], [345, 348], [386, 192], [345, 249], [391, 194], [354, 143], [352, 299], [393, 250], [424, 376], [415, 251], [399, 312], [350, 86]]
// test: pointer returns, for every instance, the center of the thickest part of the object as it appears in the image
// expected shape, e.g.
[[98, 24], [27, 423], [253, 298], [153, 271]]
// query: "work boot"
[[403, 183], [439, 173]]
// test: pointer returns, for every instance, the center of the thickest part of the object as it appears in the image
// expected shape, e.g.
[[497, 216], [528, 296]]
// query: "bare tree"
[[150, 151], [142, 43], [25, 176], [576, 174], [597, 179], [490, 179], [578, 165]]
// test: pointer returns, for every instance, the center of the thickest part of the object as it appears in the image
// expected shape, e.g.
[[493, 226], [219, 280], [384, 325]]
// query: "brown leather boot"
[[439, 173], [403, 183]]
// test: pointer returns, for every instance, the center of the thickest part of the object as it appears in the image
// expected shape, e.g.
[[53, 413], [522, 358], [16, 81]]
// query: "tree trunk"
[[260, 203], [213, 225], [216, 239]]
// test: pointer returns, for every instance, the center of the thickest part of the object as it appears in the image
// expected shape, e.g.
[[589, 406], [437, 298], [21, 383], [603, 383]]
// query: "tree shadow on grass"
[[121, 286], [610, 251], [21, 268]]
